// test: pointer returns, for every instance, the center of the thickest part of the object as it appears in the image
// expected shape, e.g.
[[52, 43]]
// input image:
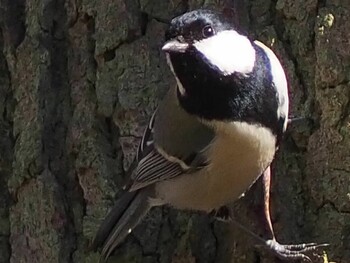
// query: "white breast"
[[238, 156]]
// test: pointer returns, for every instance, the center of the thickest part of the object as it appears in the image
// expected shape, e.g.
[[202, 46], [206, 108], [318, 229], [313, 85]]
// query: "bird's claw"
[[223, 214], [295, 252]]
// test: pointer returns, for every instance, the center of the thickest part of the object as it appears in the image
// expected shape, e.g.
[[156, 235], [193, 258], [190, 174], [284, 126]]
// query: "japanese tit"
[[213, 134]]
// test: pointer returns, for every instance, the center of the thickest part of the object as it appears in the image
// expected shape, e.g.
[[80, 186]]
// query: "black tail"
[[128, 211]]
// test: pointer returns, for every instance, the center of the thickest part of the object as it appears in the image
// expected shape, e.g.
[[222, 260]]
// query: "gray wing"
[[156, 164]]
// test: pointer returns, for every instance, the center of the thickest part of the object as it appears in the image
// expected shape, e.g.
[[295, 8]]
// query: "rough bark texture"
[[78, 82]]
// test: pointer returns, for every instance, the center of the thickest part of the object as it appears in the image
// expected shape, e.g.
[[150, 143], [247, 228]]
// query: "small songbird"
[[213, 134]]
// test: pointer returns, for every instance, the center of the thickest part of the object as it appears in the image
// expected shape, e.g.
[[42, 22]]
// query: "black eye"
[[208, 31]]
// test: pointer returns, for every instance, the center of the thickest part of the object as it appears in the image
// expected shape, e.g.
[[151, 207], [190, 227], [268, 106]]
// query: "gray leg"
[[284, 252]]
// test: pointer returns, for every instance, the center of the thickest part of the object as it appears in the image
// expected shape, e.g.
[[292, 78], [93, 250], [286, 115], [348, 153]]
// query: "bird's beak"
[[175, 46]]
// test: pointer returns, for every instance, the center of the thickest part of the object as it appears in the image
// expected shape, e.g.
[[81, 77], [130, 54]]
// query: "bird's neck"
[[210, 95]]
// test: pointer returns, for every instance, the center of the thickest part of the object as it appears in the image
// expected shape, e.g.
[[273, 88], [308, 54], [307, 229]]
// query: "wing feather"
[[155, 165]]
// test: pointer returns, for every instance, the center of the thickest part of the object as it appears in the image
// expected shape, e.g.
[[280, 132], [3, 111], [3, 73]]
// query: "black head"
[[221, 74], [197, 25], [212, 39]]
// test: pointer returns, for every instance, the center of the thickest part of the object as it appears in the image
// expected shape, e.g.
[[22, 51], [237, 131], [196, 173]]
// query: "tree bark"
[[78, 82]]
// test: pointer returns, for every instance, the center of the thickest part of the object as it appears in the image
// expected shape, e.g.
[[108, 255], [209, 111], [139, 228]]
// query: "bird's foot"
[[223, 214], [305, 252]]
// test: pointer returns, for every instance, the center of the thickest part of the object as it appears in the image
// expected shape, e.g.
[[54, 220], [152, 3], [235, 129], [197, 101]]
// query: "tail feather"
[[112, 218], [128, 211]]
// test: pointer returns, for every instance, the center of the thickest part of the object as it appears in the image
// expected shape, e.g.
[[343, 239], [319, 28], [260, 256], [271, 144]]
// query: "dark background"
[[78, 82]]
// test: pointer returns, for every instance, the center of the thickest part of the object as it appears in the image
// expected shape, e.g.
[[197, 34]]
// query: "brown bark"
[[78, 82]]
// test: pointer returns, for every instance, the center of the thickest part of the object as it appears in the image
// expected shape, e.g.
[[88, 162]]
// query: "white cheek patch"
[[229, 51], [280, 80], [178, 82]]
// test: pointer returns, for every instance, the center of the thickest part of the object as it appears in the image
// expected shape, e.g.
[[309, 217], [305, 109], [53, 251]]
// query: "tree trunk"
[[78, 82]]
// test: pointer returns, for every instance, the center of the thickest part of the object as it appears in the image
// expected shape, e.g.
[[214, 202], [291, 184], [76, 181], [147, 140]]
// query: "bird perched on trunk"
[[213, 134]]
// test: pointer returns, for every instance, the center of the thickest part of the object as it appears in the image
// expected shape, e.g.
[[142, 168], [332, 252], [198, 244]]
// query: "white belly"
[[238, 156]]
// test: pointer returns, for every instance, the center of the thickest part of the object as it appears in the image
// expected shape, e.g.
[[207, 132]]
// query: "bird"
[[213, 134]]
